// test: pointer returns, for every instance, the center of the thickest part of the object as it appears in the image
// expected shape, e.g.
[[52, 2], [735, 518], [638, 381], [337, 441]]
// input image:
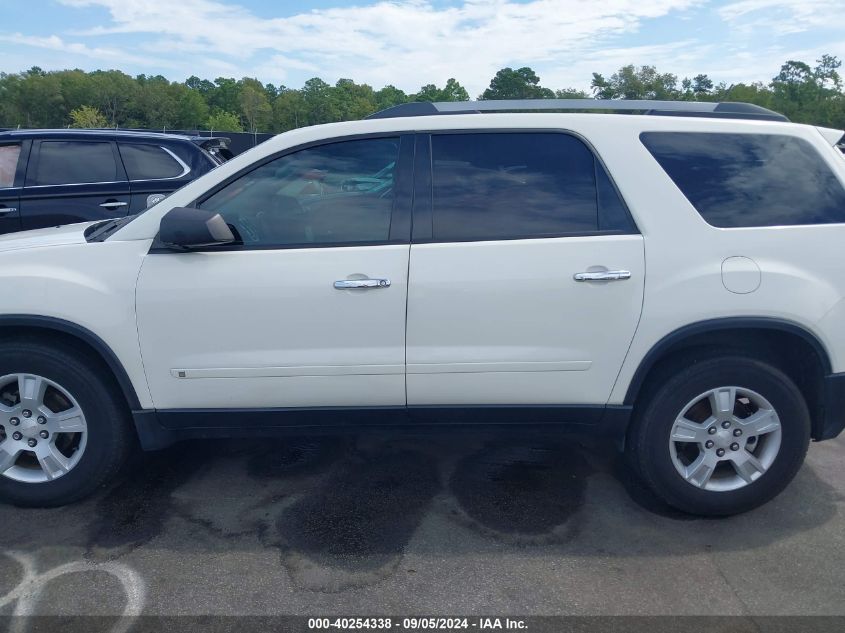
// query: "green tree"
[[702, 85], [453, 91], [156, 103], [389, 96], [289, 110], [522, 83], [630, 82], [225, 95], [351, 100], [318, 102], [39, 100], [222, 121], [256, 108], [192, 110], [571, 93], [88, 117], [428, 92], [113, 92]]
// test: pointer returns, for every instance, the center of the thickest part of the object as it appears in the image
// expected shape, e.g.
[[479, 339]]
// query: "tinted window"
[[331, 194], [149, 162], [505, 186], [68, 162], [750, 179], [8, 164]]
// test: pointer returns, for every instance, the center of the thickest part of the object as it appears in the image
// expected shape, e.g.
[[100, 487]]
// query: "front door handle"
[[7, 210], [352, 284], [114, 204], [603, 275]]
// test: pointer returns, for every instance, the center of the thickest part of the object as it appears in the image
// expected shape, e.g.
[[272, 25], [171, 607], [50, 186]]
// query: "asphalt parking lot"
[[430, 525]]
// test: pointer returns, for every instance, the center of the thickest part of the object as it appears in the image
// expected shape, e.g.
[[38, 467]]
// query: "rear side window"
[[149, 162], [490, 186], [8, 164], [736, 180], [70, 162]]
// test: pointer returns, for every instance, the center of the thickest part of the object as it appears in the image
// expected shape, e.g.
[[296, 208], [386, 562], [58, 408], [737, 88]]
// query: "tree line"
[[110, 98]]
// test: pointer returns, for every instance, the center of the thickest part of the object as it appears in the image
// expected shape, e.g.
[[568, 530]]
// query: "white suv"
[[673, 283]]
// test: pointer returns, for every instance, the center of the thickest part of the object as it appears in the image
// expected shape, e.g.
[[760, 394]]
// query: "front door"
[[526, 273], [309, 311]]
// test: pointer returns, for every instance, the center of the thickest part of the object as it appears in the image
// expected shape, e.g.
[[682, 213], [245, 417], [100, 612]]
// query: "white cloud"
[[409, 43], [403, 42], [55, 43], [782, 16]]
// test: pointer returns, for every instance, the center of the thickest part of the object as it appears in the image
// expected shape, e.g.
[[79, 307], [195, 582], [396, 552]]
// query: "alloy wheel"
[[725, 439], [43, 431]]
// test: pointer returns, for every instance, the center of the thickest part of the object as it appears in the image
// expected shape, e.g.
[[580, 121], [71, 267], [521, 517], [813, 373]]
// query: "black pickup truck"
[[52, 177]]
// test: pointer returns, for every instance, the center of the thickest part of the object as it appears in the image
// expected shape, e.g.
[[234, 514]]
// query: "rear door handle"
[[603, 275], [352, 284], [7, 210], [113, 205]]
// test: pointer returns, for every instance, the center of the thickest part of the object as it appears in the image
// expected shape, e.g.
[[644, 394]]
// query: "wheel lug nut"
[[26, 413], [17, 436], [708, 444], [734, 446], [726, 425], [712, 430], [32, 442], [720, 452], [737, 432], [14, 421], [42, 419], [44, 435]]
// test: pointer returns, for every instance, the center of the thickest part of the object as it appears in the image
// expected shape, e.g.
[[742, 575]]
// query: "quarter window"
[[490, 186], [72, 162], [149, 162], [8, 164], [736, 180], [340, 193]]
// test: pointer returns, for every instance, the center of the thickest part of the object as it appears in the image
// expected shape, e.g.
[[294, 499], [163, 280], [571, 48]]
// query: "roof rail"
[[724, 110]]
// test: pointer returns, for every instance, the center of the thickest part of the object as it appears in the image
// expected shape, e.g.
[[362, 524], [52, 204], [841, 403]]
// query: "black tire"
[[648, 442], [110, 438]]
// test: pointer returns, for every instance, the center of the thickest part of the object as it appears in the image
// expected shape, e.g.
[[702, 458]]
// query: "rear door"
[[526, 272], [154, 171], [73, 181], [12, 164]]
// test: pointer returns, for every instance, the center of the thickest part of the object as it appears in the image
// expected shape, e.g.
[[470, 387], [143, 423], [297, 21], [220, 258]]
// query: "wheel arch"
[[51, 326], [790, 346]]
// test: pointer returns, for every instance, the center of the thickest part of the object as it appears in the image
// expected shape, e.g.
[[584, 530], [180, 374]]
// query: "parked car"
[[671, 284], [53, 177]]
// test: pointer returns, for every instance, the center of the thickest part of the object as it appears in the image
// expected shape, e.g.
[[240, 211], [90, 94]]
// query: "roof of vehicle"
[[100, 133], [712, 109]]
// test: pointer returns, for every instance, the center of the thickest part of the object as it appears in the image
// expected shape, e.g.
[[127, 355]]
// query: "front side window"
[[489, 186], [750, 180], [149, 162], [73, 162], [8, 164], [341, 193]]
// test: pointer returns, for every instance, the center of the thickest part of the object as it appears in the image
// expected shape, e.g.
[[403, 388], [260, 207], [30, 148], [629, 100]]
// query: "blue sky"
[[409, 43]]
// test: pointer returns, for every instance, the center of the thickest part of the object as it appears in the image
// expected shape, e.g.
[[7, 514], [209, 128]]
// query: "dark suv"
[[52, 177]]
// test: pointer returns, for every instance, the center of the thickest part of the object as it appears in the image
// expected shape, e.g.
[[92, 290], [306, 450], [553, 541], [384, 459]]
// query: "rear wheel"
[[720, 437], [64, 430]]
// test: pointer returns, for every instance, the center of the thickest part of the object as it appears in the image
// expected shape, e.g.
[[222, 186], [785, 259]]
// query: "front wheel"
[[64, 430], [720, 437]]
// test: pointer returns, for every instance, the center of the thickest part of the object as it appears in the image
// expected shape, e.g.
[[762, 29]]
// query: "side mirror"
[[185, 228]]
